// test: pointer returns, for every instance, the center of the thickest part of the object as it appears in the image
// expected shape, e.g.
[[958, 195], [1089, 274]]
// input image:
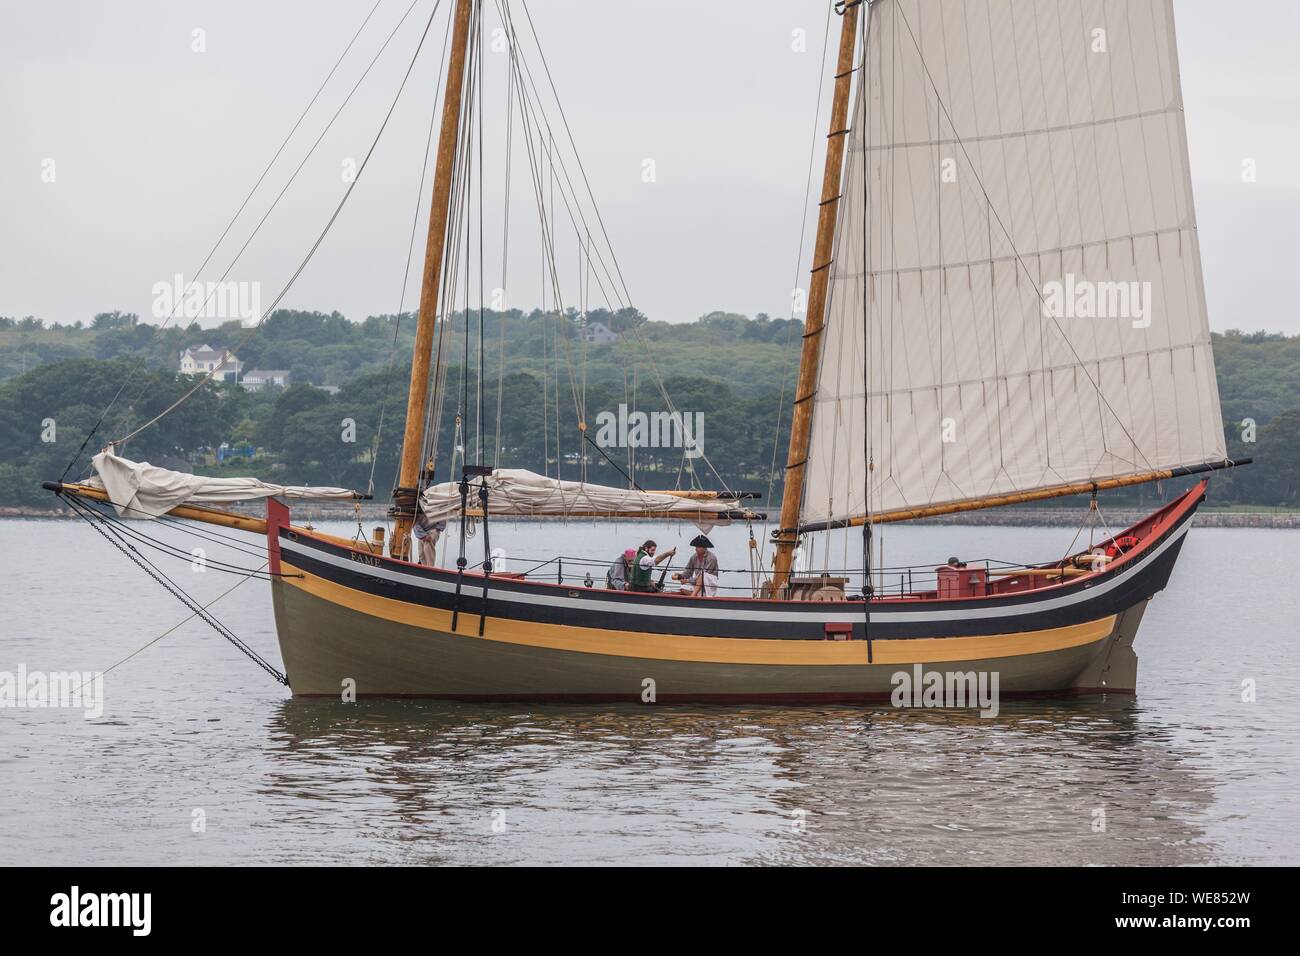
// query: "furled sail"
[[1016, 298], [138, 489], [517, 491]]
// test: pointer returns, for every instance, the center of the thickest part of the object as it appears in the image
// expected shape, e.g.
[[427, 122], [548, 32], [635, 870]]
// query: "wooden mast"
[[417, 399], [810, 354]]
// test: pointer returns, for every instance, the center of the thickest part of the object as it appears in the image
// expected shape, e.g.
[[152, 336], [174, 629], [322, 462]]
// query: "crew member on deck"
[[701, 575], [643, 568], [620, 572], [427, 534]]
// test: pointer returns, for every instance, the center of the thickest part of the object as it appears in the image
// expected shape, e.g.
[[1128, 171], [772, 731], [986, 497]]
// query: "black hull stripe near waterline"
[[1092, 598]]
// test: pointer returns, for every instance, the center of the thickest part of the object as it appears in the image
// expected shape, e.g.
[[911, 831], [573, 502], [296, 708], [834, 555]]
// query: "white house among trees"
[[598, 333], [260, 378], [204, 359]]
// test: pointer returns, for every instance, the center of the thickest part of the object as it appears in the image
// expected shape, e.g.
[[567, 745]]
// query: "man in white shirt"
[[643, 568]]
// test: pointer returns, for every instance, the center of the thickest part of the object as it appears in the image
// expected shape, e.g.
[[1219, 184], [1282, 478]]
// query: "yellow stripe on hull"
[[720, 650]]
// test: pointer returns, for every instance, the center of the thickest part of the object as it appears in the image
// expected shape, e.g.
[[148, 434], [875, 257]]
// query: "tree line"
[[733, 371], [328, 349]]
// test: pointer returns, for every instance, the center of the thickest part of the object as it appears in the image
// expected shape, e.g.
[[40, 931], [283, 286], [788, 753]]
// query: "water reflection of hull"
[[1044, 783], [396, 629]]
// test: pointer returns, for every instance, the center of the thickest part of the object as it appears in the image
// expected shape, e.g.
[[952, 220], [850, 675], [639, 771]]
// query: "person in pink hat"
[[618, 573]]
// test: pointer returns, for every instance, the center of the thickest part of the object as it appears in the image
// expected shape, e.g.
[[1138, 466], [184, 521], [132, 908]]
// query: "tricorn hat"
[[699, 541]]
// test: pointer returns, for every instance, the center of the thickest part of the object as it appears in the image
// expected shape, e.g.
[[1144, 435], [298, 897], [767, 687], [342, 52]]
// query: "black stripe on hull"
[[1112, 592]]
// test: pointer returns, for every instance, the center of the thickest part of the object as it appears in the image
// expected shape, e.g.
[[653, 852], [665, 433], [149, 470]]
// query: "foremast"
[[405, 494]]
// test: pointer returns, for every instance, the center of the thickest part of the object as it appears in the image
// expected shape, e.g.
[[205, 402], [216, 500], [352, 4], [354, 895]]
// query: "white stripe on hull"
[[733, 611]]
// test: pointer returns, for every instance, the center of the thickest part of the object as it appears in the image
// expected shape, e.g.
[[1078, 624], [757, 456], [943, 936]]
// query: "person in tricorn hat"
[[701, 574]]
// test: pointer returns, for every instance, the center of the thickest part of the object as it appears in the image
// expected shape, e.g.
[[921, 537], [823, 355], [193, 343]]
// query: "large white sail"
[[1029, 310]]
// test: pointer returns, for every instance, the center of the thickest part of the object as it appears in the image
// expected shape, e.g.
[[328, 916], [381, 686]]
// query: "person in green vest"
[[644, 565]]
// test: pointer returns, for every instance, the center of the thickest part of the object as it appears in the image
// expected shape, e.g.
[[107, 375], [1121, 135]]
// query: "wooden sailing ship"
[[978, 156]]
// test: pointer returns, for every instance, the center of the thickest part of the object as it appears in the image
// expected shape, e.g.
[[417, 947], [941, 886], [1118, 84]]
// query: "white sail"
[[138, 489], [1030, 309], [523, 493]]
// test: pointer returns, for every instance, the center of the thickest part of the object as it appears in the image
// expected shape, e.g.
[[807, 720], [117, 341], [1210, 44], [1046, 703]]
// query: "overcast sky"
[[155, 145]]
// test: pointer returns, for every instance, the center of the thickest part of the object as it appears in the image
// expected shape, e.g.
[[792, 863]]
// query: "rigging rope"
[[406, 271], [125, 531], [328, 225], [211, 252], [447, 299], [90, 515], [505, 259], [171, 630], [626, 298], [478, 424]]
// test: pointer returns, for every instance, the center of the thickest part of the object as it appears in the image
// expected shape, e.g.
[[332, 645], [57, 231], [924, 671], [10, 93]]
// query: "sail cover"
[[138, 489], [1015, 298], [517, 491]]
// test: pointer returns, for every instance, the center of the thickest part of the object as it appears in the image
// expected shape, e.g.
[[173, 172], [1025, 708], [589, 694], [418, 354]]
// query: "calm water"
[[1187, 773]]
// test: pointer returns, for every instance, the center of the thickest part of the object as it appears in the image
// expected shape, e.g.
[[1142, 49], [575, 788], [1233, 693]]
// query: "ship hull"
[[350, 622]]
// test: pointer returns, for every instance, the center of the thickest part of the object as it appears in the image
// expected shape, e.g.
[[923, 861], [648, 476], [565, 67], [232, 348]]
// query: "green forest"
[[538, 373]]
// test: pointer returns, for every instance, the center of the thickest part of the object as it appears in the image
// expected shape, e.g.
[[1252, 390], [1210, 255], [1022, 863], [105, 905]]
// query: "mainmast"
[[810, 355], [404, 495]]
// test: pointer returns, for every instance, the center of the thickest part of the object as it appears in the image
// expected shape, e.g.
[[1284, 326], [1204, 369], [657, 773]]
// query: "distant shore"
[[1008, 517]]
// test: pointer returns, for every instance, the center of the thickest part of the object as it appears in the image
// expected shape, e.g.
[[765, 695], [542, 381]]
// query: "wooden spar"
[[810, 354], [226, 519], [1021, 497], [230, 519], [709, 495], [694, 516], [417, 398]]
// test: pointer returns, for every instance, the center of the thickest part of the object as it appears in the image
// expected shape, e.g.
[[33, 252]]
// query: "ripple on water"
[[1186, 773]]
